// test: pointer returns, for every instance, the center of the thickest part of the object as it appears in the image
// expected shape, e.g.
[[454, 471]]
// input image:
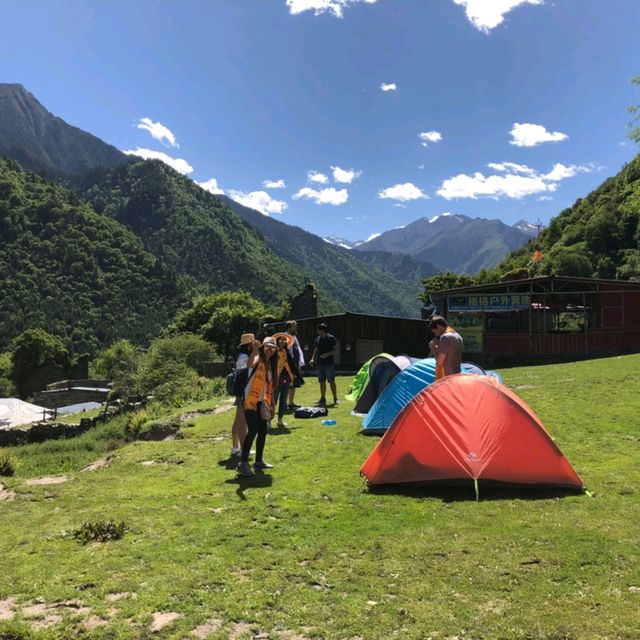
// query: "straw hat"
[[270, 342], [246, 338], [288, 337]]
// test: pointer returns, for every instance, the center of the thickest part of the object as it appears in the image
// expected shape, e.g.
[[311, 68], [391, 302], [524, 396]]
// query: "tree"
[[37, 358], [567, 261], [634, 125], [442, 281], [221, 318], [6, 385], [119, 363]]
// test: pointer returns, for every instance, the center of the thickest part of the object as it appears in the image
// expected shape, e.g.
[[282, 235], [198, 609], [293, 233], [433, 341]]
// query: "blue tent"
[[403, 388]]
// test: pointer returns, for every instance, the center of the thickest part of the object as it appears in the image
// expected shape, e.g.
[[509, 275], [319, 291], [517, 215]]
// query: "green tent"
[[361, 379]]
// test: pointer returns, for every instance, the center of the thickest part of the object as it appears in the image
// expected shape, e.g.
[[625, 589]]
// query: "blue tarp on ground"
[[403, 388]]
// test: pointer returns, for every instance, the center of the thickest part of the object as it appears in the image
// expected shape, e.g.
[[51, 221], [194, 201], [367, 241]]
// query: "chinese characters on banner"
[[502, 302]]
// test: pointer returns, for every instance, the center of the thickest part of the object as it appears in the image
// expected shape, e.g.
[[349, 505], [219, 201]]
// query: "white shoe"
[[235, 451], [281, 424]]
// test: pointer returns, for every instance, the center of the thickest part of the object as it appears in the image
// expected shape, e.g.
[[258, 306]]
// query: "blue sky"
[[521, 103]]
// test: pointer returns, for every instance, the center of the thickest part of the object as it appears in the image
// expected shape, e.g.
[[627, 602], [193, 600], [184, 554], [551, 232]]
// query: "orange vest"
[[261, 378], [283, 364]]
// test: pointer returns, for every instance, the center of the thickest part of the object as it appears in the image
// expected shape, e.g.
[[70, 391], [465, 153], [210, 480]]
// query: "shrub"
[[102, 531], [6, 465]]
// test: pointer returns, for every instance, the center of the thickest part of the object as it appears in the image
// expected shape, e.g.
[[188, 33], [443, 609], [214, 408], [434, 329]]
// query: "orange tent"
[[468, 426]]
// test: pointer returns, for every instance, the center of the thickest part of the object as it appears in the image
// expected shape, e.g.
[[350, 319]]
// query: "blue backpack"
[[237, 381]]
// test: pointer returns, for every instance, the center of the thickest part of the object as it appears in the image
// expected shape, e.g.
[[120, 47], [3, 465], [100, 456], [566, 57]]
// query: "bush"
[[135, 423], [99, 531], [6, 465], [120, 363]]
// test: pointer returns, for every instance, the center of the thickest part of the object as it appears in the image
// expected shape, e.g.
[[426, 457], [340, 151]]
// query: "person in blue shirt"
[[326, 347]]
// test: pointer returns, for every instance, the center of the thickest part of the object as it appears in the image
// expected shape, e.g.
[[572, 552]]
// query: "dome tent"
[[403, 388], [381, 373], [468, 427], [361, 379]]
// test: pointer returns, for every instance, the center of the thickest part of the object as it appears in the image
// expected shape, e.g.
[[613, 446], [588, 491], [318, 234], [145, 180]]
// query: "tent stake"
[[475, 486]]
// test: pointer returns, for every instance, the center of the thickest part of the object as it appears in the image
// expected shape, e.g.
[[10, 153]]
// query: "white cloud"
[[335, 7], [429, 136], [402, 192], [511, 167], [316, 176], [211, 186], [345, 176], [158, 131], [373, 236], [259, 200], [392, 86], [545, 198], [488, 14], [324, 196], [179, 164], [525, 134], [273, 184], [516, 182]]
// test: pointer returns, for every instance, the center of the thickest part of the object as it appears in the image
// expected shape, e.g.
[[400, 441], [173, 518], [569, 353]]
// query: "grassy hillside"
[[72, 272], [191, 230], [598, 236], [307, 551], [382, 284]]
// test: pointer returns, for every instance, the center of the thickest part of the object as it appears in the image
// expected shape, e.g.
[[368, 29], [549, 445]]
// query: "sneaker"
[[293, 406], [281, 424], [243, 469], [262, 465], [235, 451], [336, 402], [321, 403]]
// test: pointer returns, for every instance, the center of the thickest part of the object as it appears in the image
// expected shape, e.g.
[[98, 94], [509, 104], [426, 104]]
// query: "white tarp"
[[14, 412]]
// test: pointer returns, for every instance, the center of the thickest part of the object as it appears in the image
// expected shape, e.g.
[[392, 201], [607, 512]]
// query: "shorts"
[[326, 372]]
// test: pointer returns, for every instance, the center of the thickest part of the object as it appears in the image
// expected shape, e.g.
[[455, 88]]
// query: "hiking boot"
[[281, 424], [243, 469], [262, 465]]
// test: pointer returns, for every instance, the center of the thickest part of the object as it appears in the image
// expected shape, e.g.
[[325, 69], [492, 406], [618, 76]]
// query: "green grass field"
[[307, 551]]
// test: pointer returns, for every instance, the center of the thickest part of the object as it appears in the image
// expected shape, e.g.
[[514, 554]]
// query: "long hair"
[[273, 363]]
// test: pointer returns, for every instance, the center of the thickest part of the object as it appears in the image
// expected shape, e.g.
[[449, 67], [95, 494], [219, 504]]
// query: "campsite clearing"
[[307, 551]]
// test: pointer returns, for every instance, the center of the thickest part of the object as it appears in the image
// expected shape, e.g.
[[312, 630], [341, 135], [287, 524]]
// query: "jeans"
[[257, 431], [281, 393]]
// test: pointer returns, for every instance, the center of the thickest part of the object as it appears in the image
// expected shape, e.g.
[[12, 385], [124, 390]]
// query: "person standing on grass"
[[295, 350], [287, 374], [326, 347], [447, 350], [239, 428], [258, 402]]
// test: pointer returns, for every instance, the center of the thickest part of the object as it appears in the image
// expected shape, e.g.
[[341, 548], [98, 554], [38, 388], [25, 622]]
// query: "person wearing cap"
[[258, 402], [239, 428], [287, 374]]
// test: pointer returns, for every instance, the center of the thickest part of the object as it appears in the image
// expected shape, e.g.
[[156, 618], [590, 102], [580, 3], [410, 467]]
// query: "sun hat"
[[287, 336], [246, 338], [270, 342]]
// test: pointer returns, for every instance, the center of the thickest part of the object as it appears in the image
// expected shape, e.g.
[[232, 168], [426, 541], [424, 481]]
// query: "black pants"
[[280, 398], [257, 431]]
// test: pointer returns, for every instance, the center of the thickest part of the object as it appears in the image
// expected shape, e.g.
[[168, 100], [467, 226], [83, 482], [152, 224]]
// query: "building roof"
[[345, 314], [581, 282]]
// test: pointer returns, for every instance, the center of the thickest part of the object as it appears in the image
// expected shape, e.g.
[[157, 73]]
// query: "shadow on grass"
[[465, 492], [280, 431], [259, 480]]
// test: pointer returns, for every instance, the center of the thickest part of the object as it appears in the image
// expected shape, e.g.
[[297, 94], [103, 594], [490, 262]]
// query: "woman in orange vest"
[[258, 402], [287, 374]]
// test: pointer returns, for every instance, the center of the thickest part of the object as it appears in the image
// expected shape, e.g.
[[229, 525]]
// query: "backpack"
[[311, 412], [237, 381]]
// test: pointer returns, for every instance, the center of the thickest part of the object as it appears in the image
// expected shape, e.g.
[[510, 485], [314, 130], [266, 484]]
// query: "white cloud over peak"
[[259, 200], [345, 176], [273, 184], [330, 195], [516, 181], [158, 131], [525, 134], [392, 86], [316, 176], [211, 186], [402, 192], [429, 136], [488, 14], [179, 164], [335, 7]]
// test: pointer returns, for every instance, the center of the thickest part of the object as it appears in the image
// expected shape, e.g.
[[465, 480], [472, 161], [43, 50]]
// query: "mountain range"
[[452, 242]]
